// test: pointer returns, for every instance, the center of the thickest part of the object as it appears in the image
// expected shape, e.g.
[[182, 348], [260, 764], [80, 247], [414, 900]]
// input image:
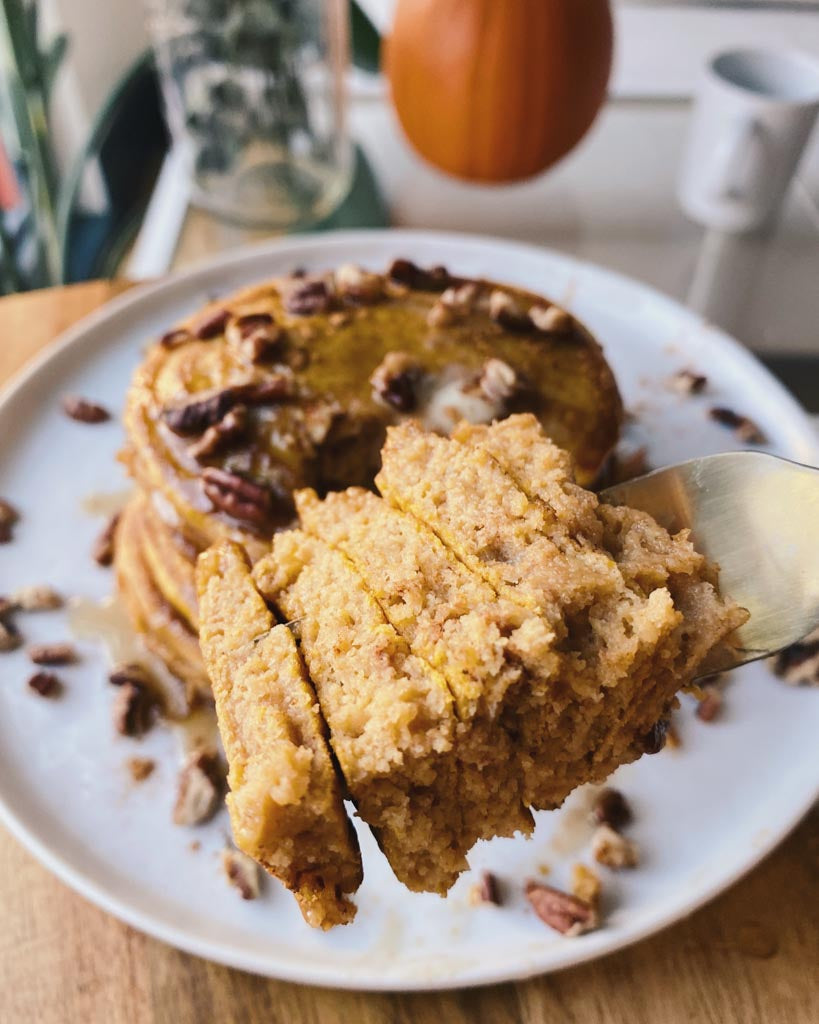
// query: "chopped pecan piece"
[[586, 886], [550, 319], [175, 337], [441, 315], [485, 890], [615, 851], [229, 429], [131, 672], [243, 499], [211, 323], [498, 381], [744, 428], [46, 684], [405, 272], [506, 312], [193, 416], [462, 298], [688, 383], [140, 768], [274, 388], [395, 381], [84, 411], [103, 550], [201, 783], [358, 286], [611, 808], [7, 607], [798, 665], [52, 654], [312, 297], [133, 710], [710, 707], [241, 872], [37, 598], [654, 739], [8, 517], [565, 913], [10, 638], [255, 336]]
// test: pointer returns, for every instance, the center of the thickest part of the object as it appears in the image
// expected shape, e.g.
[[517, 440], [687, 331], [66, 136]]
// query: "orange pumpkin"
[[498, 90]]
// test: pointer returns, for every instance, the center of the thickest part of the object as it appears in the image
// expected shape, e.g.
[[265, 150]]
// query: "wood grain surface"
[[750, 957]]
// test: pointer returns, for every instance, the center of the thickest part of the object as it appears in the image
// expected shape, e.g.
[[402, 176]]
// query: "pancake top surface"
[[292, 383]]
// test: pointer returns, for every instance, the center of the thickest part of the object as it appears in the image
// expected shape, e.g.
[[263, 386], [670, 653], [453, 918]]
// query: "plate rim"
[[316, 973]]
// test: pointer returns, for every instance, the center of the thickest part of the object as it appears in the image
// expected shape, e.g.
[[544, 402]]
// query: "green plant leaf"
[[52, 60], [366, 42]]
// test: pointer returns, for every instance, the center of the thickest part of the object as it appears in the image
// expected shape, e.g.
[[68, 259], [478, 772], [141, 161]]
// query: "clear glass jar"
[[255, 96]]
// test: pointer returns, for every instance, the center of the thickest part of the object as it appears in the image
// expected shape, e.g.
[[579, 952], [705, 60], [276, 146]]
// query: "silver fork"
[[757, 517]]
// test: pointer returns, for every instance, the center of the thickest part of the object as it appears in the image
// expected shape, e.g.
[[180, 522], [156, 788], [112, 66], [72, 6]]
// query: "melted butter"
[[106, 503], [575, 823], [199, 731], [107, 622]]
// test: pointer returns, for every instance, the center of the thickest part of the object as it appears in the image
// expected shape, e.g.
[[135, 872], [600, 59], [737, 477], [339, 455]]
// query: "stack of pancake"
[[293, 383]]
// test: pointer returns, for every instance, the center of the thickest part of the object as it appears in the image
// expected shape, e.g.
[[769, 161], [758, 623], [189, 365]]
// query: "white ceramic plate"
[[705, 813]]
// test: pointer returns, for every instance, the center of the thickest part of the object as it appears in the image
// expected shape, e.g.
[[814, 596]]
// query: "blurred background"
[[140, 137]]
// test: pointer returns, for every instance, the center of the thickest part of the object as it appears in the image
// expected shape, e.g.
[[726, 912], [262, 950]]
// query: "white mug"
[[754, 113]]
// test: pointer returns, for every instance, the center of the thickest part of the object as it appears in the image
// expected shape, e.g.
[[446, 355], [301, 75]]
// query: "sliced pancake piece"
[[392, 719], [285, 800], [479, 512], [449, 616], [504, 499]]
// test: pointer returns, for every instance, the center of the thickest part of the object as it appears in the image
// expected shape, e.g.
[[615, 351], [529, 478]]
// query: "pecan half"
[[230, 428], [615, 851], [311, 297], [395, 381], [133, 710], [103, 550], [358, 286], [565, 913], [52, 654], [255, 336], [405, 272], [745, 429], [46, 684], [37, 598], [507, 313], [84, 411], [211, 323], [201, 782], [193, 416], [611, 808], [243, 499], [241, 872]]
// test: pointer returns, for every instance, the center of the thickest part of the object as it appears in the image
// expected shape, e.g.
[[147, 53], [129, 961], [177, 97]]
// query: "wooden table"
[[750, 957]]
